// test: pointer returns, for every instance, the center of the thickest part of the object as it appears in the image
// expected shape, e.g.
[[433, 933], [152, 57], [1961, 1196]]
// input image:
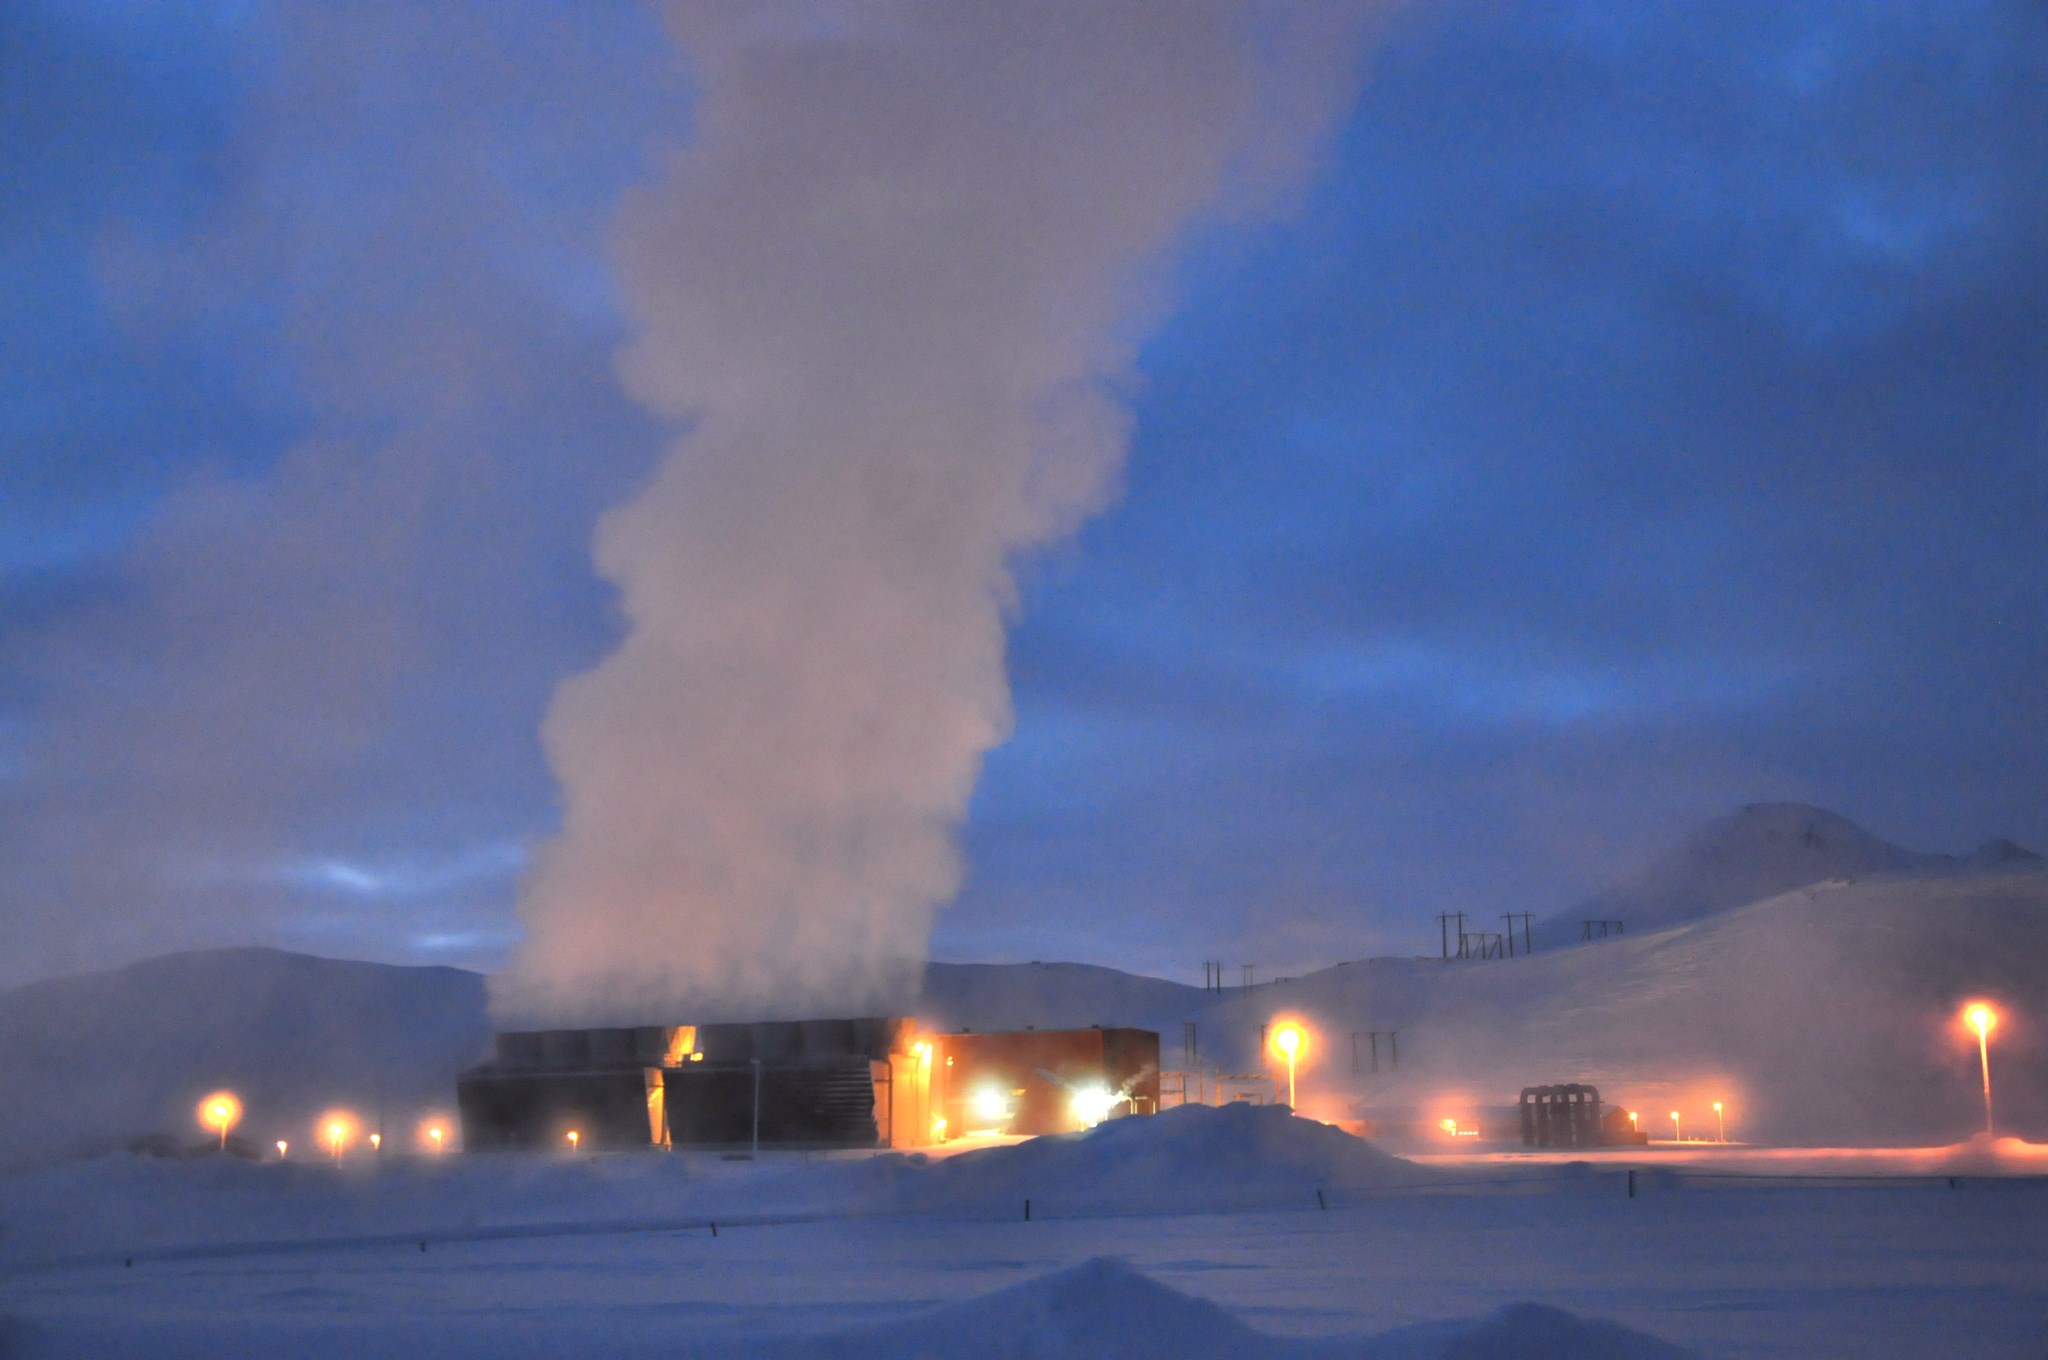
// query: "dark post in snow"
[[1511, 917], [757, 1107]]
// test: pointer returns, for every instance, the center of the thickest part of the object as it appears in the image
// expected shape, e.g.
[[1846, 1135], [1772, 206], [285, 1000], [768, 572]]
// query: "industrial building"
[[1044, 1081], [1561, 1116], [798, 1084]]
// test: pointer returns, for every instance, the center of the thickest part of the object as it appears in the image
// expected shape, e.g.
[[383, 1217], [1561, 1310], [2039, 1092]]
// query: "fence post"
[[1631, 1183], [1027, 1211]]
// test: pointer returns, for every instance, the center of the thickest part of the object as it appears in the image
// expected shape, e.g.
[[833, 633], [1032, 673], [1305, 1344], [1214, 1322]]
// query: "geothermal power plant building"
[[860, 1083]]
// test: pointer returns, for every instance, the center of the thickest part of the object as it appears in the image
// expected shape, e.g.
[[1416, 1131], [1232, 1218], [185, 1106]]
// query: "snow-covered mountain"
[[1760, 851]]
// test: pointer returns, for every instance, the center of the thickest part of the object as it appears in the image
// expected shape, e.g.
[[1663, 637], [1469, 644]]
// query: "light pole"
[[1983, 1019], [1674, 1128], [220, 1112], [757, 1108], [1720, 1124], [1288, 1041]]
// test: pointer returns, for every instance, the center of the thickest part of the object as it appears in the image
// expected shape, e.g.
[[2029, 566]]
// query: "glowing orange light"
[[282, 1147], [1288, 1038], [1720, 1124], [434, 1134], [1632, 1121], [338, 1129], [575, 1139], [1674, 1128], [1983, 1019], [220, 1112], [1449, 1126], [377, 1141]]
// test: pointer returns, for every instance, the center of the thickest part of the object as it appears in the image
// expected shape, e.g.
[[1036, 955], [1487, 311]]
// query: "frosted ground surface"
[[1194, 1234]]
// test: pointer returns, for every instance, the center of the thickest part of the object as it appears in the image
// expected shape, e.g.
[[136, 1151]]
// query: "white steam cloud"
[[891, 292]]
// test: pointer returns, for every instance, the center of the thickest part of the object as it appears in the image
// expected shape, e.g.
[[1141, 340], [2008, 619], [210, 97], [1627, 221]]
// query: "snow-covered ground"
[[1196, 1234], [1821, 1015]]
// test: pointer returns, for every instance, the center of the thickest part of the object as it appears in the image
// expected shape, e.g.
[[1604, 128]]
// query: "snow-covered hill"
[[106, 1057], [1760, 851], [1825, 1014], [1818, 1014]]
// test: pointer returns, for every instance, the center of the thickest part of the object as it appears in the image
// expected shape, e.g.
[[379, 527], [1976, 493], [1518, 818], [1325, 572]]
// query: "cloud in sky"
[[1646, 412]]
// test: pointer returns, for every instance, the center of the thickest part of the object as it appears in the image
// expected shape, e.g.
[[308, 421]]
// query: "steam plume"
[[892, 291]]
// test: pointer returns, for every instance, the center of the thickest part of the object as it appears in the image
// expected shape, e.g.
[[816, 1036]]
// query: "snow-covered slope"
[[1760, 851], [106, 1057], [990, 996], [1825, 1014]]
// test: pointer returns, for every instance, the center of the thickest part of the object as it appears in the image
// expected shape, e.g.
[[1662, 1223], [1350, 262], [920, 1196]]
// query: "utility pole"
[[757, 1108], [1511, 917]]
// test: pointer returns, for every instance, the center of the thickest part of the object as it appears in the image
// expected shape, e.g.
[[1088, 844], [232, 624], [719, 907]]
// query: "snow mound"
[[1196, 1156], [1103, 1309], [1521, 1331]]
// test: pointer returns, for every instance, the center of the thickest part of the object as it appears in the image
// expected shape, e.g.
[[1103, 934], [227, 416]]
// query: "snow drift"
[[1197, 1156], [1103, 1309]]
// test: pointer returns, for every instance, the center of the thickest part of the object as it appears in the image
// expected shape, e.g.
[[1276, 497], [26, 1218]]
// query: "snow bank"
[[1103, 1309], [1521, 1331], [1197, 1156]]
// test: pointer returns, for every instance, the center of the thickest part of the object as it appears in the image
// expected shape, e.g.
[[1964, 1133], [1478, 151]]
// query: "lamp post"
[[1674, 1128], [1288, 1041], [757, 1108], [1983, 1019], [1720, 1124], [220, 1112]]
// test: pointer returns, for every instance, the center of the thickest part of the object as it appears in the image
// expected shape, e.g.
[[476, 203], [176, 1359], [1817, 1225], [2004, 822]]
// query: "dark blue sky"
[[1644, 412]]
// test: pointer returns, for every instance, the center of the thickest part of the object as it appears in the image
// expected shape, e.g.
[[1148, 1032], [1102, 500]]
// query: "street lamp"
[[1720, 1124], [575, 1138], [338, 1128], [1288, 1040], [282, 1147], [220, 1112], [1983, 1019], [1674, 1128]]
